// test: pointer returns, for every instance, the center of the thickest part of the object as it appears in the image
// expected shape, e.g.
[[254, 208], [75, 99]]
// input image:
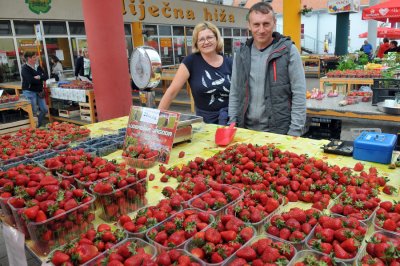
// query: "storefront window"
[[25, 27], [129, 46], [8, 61], [30, 44], [236, 32], [77, 28], [165, 30], [179, 49], [54, 27], [127, 29], [189, 31], [244, 33], [228, 46], [166, 51], [60, 48], [178, 30], [227, 32], [150, 30], [5, 28]]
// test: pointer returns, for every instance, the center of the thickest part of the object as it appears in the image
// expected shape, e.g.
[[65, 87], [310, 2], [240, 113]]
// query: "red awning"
[[389, 10], [390, 33]]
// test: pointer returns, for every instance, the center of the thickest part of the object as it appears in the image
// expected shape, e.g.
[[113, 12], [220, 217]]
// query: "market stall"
[[183, 161], [12, 121]]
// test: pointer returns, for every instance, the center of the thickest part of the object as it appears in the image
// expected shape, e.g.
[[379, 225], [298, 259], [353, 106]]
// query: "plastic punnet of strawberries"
[[388, 216], [263, 250], [338, 236], [147, 217], [382, 249], [180, 227], [141, 156], [87, 246], [220, 241], [294, 225]]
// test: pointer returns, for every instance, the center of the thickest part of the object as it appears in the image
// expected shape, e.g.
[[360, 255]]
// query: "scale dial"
[[145, 67]]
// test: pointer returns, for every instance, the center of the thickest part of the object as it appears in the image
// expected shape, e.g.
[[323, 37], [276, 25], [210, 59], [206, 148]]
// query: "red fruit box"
[[150, 221], [300, 244], [121, 201], [216, 210], [346, 261], [274, 242], [392, 237], [141, 163], [303, 255], [62, 228], [132, 242], [260, 224], [160, 227]]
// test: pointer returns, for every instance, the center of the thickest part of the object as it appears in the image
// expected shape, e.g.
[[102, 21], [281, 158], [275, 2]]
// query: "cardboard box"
[[68, 113], [374, 147]]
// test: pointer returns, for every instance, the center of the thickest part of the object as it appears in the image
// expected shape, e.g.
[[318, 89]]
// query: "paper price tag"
[[150, 115], [1, 92]]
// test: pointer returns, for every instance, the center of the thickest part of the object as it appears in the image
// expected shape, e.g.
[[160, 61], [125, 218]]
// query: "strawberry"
[[213, 236], [59, 258], [198, 253], [358, 167], [339, 252], [228, 235], [247, 233], [389, 190], [246, 253], [350, 245], [31, 212], [181, 154]]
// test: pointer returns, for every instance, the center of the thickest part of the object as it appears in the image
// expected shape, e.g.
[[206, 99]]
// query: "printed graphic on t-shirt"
[[213, 84]]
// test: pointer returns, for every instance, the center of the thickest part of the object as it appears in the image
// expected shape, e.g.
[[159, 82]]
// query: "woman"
[[33, 77], [57, 68], [209, 75]]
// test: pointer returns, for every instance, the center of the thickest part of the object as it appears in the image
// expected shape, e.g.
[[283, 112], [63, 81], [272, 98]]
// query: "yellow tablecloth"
[[203, 145]]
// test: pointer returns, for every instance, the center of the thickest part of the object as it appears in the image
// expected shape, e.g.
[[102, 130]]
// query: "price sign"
[[150, 115]]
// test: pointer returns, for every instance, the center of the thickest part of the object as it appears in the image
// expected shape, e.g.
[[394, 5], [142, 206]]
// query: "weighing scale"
[[145, 67]]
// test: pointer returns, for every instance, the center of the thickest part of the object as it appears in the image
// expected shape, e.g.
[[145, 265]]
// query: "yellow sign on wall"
[[165, 42]]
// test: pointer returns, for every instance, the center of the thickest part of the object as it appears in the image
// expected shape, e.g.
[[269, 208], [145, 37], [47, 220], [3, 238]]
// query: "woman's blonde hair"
[[203, 26]]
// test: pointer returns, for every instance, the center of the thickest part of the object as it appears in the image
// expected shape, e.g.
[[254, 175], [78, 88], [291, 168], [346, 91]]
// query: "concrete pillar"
[[372, 27], [342, 33], [107, 51], [292, 21]]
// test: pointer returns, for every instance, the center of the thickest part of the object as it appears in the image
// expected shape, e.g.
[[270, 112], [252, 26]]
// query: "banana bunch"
[[372, 66]]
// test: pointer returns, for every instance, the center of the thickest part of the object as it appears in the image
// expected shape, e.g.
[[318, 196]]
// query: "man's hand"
[[37, 77]]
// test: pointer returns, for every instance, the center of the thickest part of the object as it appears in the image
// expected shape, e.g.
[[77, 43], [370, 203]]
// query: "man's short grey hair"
[[261, 7]]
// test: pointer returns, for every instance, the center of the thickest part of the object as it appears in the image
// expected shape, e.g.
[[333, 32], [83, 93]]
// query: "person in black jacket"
[[33, 77], [82, 65]]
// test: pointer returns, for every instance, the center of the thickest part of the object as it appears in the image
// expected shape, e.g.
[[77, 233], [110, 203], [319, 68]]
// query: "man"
[[82, 66], [383, 47], [33, 77], [367, 49], [268, 88], [392, 47]]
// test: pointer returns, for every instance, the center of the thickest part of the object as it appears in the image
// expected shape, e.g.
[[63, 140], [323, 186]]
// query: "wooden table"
[[20, 104], [345, 81], [16, 86], [329, 107]]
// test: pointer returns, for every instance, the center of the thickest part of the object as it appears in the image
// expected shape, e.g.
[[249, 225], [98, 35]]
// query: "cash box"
[[374, 147]]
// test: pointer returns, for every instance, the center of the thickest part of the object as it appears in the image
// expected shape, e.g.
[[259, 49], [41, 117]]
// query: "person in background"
[[56, 68], [209, 75], [82, 66], [268, 91], [33, 77], [392, 47], [367, 49], [383, 47]]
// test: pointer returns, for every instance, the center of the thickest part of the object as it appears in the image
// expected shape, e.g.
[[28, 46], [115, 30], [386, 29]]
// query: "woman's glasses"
[[208, 39]]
